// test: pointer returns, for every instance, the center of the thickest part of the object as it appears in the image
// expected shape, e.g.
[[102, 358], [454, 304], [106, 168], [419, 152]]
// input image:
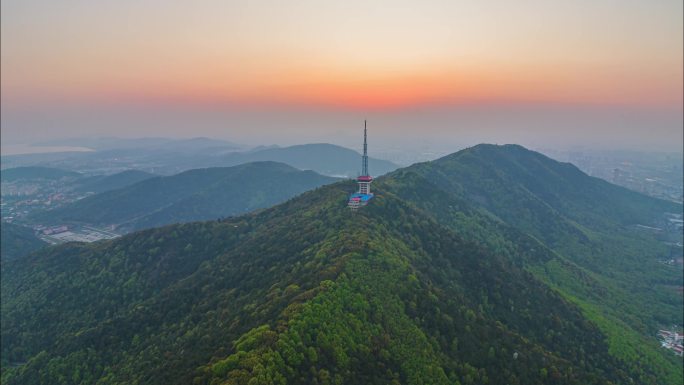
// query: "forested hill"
[[306, 292], [602, 260], [425, 285], [586, 219], [193, 195], [523, 186], [17, 241]]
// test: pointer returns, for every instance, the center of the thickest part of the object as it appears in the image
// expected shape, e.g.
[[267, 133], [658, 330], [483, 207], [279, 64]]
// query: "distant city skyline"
[[436, 73]]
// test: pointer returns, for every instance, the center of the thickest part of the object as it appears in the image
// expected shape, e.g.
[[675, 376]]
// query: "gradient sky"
[[595, 73]]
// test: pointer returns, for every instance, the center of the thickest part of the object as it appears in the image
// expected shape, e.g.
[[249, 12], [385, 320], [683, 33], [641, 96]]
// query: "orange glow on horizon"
[[367, 92]]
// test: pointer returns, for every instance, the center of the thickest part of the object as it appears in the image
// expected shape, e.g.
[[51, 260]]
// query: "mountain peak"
[[496, 150]]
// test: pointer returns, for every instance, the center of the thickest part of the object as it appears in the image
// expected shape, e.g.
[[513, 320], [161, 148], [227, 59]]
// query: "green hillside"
[[493, 194], [307, 292], [17, 241], [189, 196], [431, 283]]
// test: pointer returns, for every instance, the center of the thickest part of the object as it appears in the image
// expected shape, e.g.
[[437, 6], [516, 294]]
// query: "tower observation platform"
[[364, 195]]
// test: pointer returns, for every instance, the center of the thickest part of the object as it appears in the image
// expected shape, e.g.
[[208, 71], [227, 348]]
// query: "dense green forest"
[[18, 241], [429, 284], [612, 271], [193, 195]]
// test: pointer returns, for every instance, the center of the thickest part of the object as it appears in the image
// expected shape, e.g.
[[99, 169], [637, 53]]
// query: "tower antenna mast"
[[364, 165]]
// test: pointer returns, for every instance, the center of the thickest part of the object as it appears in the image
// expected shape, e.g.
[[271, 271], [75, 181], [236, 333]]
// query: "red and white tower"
[[364, 179]]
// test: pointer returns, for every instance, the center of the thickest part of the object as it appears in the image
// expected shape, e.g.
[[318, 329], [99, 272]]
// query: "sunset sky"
[[596, 73]]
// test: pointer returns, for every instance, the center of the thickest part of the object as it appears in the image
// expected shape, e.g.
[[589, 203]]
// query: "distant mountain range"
[[326, 159], [102, 183], [142, 143], [171, 158], [193, 195], [493, 265]]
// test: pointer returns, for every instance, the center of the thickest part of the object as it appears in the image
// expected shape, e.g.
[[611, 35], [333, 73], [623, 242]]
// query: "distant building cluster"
[[21, 198], [55, 230], [662, 186], [672, 340], [655, 174]]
